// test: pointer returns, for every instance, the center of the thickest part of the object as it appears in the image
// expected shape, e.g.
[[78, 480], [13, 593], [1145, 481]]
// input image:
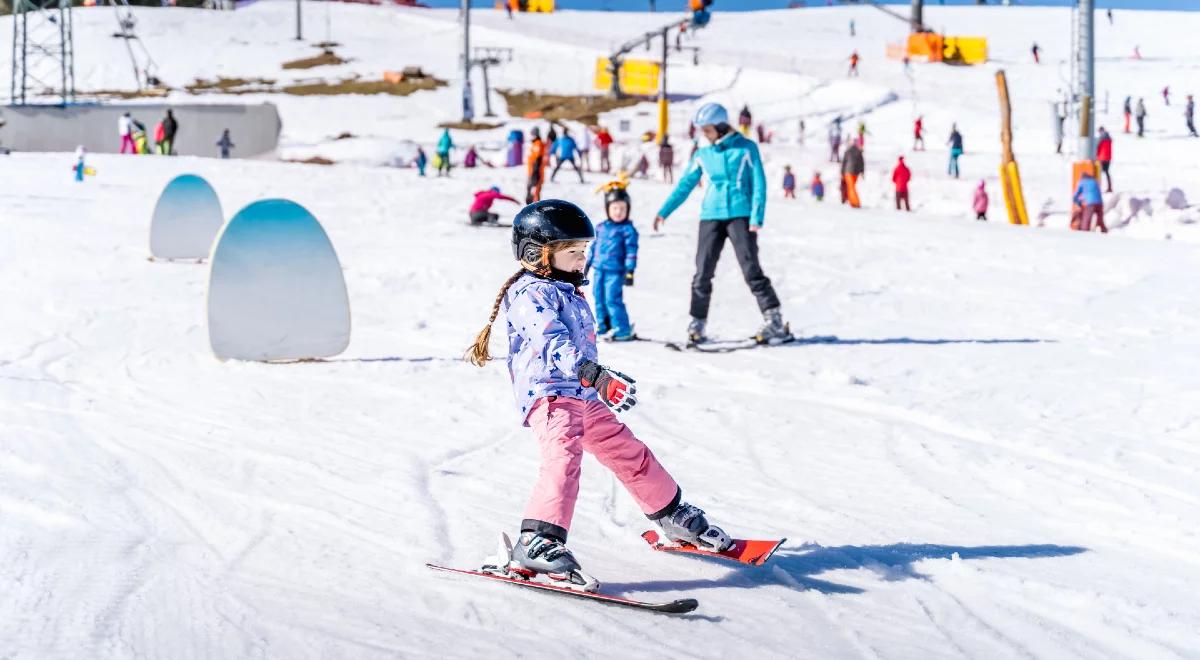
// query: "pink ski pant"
[[567, 427], [127, 142]]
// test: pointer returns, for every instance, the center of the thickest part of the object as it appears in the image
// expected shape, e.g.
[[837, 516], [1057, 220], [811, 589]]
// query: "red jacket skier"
[[901, 176], [1104, 155]]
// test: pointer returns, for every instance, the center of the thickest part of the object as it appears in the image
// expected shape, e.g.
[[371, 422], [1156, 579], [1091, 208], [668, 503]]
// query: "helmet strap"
[[542, 266]]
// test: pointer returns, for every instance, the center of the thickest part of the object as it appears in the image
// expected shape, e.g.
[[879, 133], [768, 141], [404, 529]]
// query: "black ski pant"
[[480, 217], [745, 247], [574, 166]]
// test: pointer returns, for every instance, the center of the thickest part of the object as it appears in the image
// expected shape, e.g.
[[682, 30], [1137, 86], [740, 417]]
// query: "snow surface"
[[996, 457]]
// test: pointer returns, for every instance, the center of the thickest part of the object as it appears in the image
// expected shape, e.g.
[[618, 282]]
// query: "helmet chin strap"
[[542, 265], [543, 269]]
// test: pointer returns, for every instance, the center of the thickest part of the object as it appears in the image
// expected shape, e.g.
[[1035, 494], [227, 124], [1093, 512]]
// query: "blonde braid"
[[478, 354]]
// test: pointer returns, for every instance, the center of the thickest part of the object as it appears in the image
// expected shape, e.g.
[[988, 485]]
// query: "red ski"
[[755, 553], [681, 606]]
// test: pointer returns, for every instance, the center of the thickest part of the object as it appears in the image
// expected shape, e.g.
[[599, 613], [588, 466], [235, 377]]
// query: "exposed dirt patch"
[[326, 58], [469, 125], [315, 160], [345, 136], [152, 93], [558, 107], [358, 86], [316, 87], [231, 86]]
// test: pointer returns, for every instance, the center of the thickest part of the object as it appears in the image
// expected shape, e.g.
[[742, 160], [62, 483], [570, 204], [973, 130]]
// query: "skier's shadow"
[[796, 567], [369, 360], [834, 339]]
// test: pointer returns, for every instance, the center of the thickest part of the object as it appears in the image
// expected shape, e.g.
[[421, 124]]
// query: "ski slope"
[[993, 452]]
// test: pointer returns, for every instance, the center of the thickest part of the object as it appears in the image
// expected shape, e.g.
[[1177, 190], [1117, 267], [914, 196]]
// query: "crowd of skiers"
[[545, 157], [733, 211], [1139, 113], [135, 140]]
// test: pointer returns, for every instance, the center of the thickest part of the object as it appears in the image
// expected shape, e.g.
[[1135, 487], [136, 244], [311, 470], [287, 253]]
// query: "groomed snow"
[[996, 457]]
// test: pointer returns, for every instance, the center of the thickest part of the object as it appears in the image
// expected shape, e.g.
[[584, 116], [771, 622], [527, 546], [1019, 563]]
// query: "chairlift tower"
[[486, 57], [43, 54], [145, 69], [1084, 75]]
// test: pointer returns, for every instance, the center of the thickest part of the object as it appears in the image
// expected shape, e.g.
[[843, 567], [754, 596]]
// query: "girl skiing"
[[562, 394]]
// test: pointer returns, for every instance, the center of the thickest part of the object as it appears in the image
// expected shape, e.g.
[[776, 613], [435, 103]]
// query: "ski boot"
[[603, 329], [536, 554], [687, 525], [774, 330], [695, 331], [630, 335]]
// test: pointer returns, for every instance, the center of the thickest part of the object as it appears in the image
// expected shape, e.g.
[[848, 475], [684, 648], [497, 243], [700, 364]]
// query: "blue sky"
[[745, 5]]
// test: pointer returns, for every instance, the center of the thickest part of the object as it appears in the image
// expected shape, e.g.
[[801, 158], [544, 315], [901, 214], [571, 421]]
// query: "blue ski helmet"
[[710, 114], [495, 189]]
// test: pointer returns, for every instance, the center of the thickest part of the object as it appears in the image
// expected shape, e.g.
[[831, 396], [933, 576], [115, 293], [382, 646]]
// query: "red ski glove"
[[616, 389]]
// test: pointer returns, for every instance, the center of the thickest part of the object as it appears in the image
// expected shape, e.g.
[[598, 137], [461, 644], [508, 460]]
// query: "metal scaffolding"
[[43, 54]]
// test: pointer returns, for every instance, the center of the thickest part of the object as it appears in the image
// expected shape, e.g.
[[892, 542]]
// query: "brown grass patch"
[[315, 160], [154, 92], [326, 58], [231, 86], [469, 125], [353, 85], [357, 86], [559, 107]]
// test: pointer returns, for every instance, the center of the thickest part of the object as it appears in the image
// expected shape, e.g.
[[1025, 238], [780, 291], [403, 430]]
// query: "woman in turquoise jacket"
[[734, 205]]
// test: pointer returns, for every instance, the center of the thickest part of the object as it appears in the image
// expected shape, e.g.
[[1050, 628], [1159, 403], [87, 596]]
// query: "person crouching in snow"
[[789, 182], [1088, 197], [614, 256], [570, 400], [480, 212], [817, 187]]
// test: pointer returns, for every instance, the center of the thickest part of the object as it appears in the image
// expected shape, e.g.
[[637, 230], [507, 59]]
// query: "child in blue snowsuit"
[[422, 160], [614, 256]]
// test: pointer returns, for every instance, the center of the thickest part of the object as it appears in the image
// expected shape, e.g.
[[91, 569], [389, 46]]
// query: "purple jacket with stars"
[[551, 331]]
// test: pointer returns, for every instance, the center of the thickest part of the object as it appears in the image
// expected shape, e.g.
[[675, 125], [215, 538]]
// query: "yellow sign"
[[965, 50], [546, 6], [638, 77]]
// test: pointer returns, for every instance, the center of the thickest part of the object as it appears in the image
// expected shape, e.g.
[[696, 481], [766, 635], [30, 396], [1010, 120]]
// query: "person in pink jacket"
[[981, 201], [481, 208]]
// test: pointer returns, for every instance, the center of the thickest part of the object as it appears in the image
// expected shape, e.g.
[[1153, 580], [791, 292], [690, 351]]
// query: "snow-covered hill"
[[997, 456]]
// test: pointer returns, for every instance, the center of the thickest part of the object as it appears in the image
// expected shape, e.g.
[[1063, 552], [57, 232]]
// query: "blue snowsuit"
[[612, 254], [550, 333]]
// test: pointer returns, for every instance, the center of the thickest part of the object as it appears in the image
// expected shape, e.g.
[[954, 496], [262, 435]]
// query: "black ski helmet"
[[543, 223], [617, 195]]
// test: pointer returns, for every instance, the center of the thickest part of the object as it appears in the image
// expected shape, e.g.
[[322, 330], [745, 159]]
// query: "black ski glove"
[[616, 389], [629, 278]]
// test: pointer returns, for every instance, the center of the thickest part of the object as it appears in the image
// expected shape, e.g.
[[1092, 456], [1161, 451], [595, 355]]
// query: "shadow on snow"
[[797, 567], [833, 339]]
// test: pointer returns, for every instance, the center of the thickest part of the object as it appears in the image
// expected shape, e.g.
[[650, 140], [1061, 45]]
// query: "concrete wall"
[[253, 128]]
